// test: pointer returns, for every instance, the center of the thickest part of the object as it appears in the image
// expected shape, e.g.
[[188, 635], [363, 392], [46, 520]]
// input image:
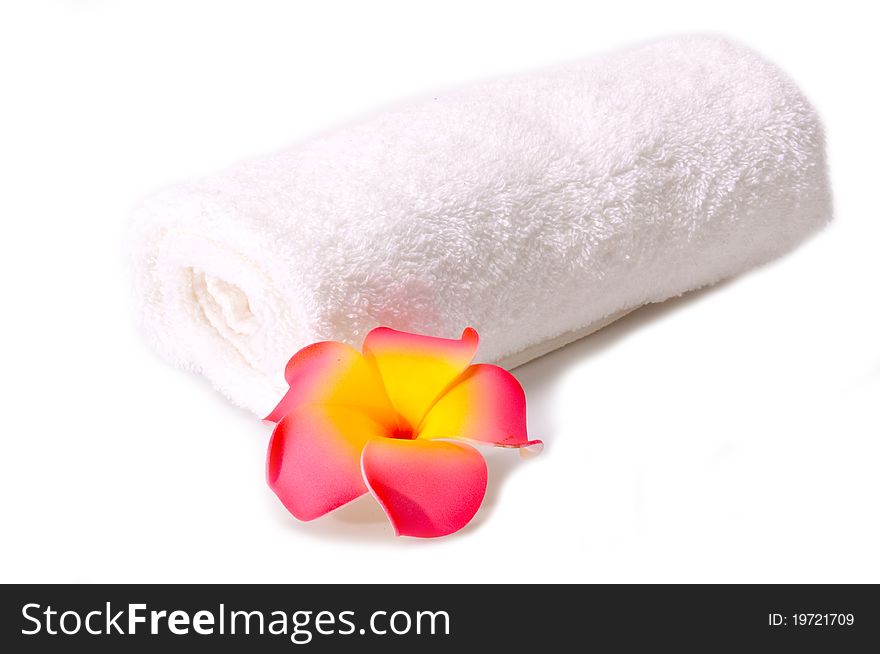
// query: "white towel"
[[533, 208]]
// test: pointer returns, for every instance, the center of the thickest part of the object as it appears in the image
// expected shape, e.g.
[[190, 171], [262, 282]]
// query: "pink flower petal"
[[314, 458], [486, 404], [333, 373], [427, 488], [415, 369]]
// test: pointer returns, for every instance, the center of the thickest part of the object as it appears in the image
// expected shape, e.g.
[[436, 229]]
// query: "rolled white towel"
[[533, 208]]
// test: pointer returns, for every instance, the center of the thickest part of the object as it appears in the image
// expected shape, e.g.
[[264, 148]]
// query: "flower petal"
[[486, 404], [415, 369], [427, 488], [332, 373], [314, 458]]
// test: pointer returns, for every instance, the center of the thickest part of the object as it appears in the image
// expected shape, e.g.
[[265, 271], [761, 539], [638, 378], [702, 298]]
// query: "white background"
[[731, 435]]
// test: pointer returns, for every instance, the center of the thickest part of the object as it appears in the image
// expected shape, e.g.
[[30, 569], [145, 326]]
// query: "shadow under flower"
[[363, 519]]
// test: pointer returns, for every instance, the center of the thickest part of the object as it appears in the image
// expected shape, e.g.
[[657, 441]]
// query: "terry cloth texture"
[[531, 208]]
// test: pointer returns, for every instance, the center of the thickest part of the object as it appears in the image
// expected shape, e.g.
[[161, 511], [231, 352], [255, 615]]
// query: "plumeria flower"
[[394, 421]]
